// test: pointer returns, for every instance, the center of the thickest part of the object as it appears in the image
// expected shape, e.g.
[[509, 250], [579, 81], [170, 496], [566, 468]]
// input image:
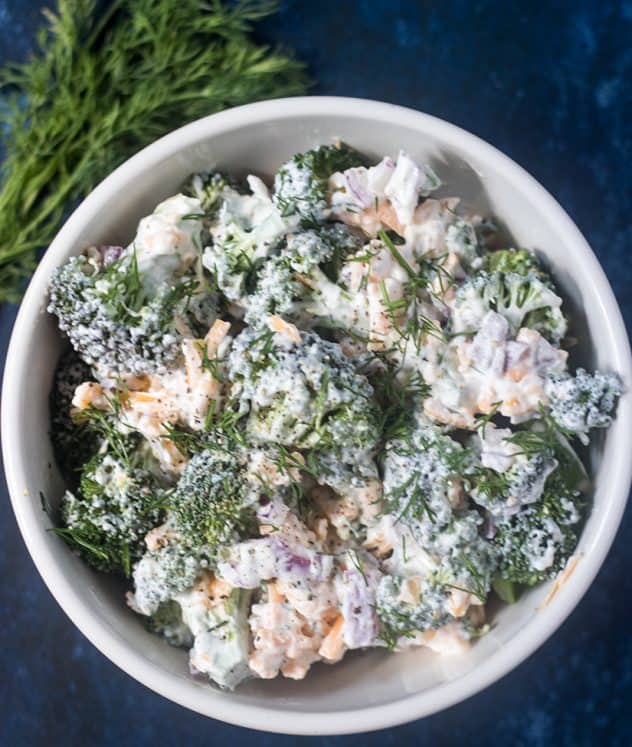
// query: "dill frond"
[[102, 86]]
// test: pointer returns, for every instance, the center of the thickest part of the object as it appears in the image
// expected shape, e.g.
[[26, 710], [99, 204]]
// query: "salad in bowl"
[[325, 413]]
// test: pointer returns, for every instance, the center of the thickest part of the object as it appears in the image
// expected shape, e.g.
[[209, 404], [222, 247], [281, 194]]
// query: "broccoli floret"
[[307, 264], [303, 394], [327, 247], [278, 291], [73, 443], [520, 466], [330, 306], [300, 186], [535, 544], [122, 308], [170, 567], [524, 300], [462, 240], [208, 187], [502, 494], [353, 476], [324, 300], [518, 261], [583, 401], [113, 320], [455, 558], [167, 622], [424, 479], [399, 618], [114, 508], [212, 503], [247, 230], [222, 639], [420, 472]]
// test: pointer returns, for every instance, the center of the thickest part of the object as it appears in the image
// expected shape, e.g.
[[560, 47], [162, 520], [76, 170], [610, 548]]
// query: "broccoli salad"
[[323, 413]]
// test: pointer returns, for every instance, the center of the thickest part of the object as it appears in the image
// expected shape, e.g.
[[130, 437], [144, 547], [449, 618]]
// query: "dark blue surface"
[[550, 88]]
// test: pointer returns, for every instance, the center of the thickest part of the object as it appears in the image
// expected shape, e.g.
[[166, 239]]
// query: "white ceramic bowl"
[[367, 690]]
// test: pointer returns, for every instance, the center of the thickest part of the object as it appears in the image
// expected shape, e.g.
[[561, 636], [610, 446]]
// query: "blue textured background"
[[549, 87]]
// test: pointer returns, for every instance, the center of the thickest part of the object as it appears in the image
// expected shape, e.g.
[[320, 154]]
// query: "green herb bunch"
[[103, 85]]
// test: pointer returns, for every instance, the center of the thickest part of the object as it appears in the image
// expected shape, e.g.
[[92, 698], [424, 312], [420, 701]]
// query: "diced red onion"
[[110, 254], [356, 189]]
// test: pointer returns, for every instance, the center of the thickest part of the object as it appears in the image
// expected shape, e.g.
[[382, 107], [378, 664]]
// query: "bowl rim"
[[206, 701]]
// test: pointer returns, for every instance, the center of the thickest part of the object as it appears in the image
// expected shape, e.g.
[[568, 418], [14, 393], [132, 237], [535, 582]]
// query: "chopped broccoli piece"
[[111, 513], [305, 394], [466, 561], [304, 283], [502, 494], [278, 291], [167, 622], [420, 471], [399, 618], [583, 401], [222, 640], [524, 300], [212, 503], [112, 320], [507, 591], [330, 306], [353, 476], [208, 187], [300, 186], [460, 560], [535, 543], [326, 247], [247, 230], [308, 264], [170, 567], [518, 261], [526, 463], [462, 240], [424, 476]]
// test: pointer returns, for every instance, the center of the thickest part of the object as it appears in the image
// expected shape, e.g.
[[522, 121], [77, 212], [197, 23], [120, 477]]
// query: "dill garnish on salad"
[[318, 415]]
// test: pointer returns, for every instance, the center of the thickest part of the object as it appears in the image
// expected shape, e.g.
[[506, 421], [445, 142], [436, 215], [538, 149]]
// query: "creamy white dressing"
[[325, 287], [171, 234], [401, 182]]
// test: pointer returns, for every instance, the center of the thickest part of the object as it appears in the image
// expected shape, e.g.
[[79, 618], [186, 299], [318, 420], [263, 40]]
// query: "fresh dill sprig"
[[106, 425], [74, 536], [287, 461], [223, 424], [103, 85], [416, 504], [489, 483], [357, 563], [124, 296], [398, 400], [212, 365], [391, 633], [544, 436], [532, 442], [404, 554], [220, 432], [404, 313], [186, 442], [482, 420], [397, 256], [478, 581]]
